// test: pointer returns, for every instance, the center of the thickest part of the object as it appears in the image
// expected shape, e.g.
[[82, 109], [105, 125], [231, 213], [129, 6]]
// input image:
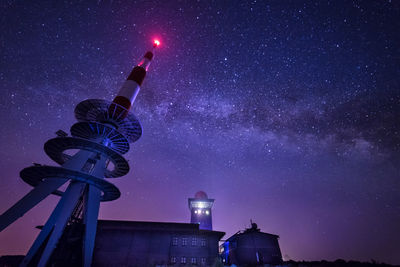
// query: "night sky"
[[285, 112]]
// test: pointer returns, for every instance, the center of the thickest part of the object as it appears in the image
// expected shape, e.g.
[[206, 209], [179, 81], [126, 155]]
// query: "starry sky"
[[285, 112]]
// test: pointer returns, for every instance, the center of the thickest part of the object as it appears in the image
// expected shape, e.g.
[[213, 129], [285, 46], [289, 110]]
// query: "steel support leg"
[[30, 200], [48, 227], [91, 214], [71, 200]]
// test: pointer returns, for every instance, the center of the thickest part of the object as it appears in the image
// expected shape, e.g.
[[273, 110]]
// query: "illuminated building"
[[200, 210]]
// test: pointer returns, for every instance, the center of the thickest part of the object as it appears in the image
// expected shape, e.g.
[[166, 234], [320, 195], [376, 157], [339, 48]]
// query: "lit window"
[[173, 259], [201, 204], [203, 242], [194, 241], [175, 241], [194, 261], [203, 261], [183, 260], [184, 241]]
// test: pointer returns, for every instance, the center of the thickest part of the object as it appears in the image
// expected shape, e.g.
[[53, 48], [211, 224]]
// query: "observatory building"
[[200, 210], [140, 243], [251, 247], [133, 243]]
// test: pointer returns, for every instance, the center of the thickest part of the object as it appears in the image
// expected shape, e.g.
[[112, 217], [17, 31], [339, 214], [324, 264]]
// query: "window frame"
[[173, 259], [183, 260]]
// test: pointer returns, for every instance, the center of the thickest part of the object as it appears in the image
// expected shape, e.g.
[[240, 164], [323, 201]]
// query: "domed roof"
[[201, 195]]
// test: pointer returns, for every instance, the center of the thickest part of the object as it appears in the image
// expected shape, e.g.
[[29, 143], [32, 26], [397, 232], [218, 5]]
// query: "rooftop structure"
[[251, 247], [200, 210]]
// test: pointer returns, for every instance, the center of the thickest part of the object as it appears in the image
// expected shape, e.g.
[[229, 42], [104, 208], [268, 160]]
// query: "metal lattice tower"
[[101, 136]]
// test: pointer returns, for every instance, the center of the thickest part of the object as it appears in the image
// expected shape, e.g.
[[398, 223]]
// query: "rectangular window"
[[203, 261], [194, 241], [175, 241], [183, 260], [194, 261], [203, 242], [173, 259], [184, 241]]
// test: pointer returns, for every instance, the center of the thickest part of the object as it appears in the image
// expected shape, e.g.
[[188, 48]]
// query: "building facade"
[[132, 243]]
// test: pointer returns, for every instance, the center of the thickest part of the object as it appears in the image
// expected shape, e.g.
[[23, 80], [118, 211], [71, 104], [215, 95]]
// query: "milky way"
[[285, 112]]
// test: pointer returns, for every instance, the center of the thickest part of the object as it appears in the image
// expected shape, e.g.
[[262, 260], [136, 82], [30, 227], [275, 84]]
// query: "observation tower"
[[101, 136], [200, 210]]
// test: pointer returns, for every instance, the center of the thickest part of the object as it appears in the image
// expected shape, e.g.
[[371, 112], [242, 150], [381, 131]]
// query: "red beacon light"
[[156, 43]]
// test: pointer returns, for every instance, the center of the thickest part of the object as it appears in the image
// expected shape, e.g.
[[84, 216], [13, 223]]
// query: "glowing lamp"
[[156, 42]]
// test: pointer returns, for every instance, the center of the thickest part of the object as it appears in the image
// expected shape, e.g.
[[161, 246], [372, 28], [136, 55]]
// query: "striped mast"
[[131, 87]]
